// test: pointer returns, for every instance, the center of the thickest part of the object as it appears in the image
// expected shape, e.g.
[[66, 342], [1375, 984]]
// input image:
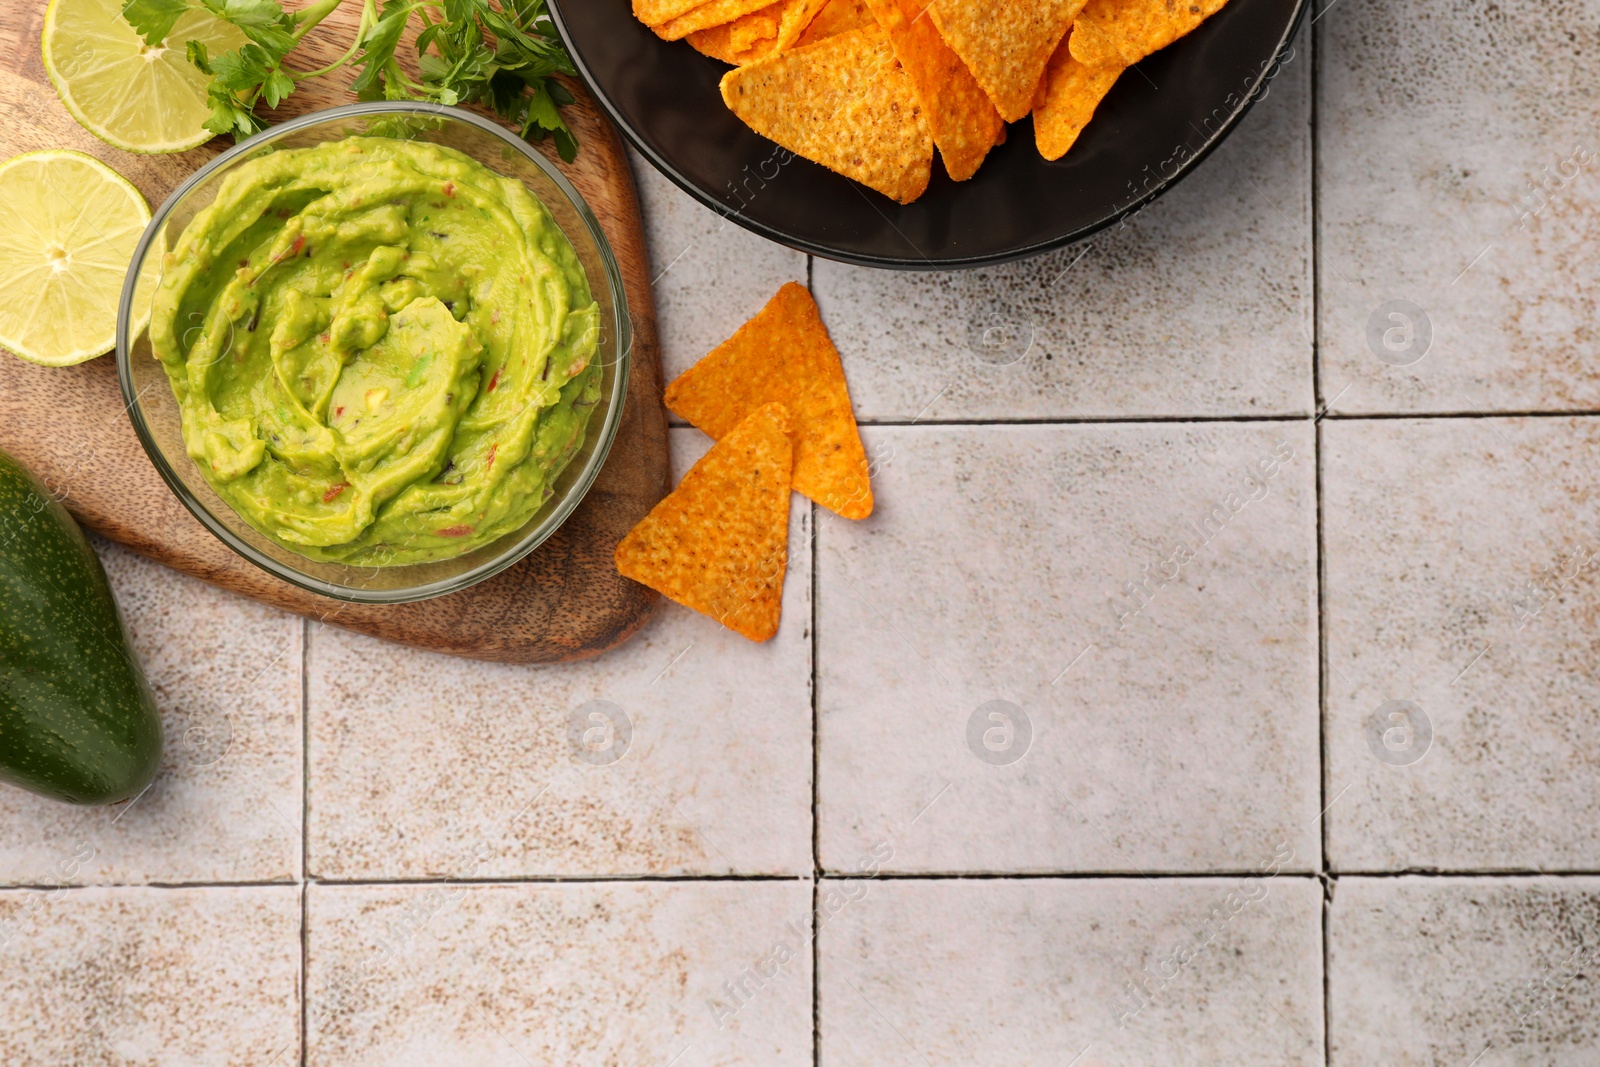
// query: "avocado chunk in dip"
[[382, 350]]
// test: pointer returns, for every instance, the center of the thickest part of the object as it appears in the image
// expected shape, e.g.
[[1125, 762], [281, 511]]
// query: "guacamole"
[[383, 351]]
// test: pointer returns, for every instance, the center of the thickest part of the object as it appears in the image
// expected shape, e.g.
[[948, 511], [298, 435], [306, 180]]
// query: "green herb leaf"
[[380, 42], [199, 57], [277, 86], [243, 68], [153, 19], [227, 116], [263, 21], [252, 14]]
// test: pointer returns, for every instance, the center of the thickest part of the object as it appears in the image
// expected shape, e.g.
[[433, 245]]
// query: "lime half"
[[128, 94], [68, 228]]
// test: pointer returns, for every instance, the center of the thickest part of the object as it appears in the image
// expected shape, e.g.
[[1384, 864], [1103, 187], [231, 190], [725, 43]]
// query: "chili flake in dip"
[[383, 351]]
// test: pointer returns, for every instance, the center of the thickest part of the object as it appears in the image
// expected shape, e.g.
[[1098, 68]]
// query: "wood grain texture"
[[565, 602]]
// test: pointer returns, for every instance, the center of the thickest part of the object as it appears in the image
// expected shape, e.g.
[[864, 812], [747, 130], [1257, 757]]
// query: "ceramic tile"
[[1198, 305], [711, 275], [1458, 221], [1007, 682], [145, 977], [692, 974], [226, 805], [1492, 972], [1461, 606], [1094, 973], [420, 762]]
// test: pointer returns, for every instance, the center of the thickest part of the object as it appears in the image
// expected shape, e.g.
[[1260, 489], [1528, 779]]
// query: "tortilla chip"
[[836, 17], [719, 543], [655, 12], [1006, 43], [706, 15], [784, 355], [742, 35], [963, 120], [758, 34], [844, 103], [1067, 99], [1119, 33]]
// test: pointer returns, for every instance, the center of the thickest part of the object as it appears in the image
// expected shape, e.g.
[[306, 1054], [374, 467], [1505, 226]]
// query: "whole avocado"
[[77, 721]]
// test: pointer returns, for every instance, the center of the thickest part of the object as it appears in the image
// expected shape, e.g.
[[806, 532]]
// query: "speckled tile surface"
[[1462, 610], [1214, 683], [1494, 972], [1459, 226], [1089, 972], [585, 974], [418, 762], [1002, 688], [1198, 305], [139, 977], [226, 806]]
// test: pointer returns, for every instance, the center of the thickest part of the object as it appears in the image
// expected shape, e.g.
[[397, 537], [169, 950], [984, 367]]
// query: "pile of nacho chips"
[[775, 399], [869, 88]]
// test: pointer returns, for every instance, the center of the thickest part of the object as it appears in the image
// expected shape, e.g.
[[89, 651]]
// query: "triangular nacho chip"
[[758, 34], [961, 116], [784, 355], [706, 15], [844, 103], [1067, 98], [719, 543], [656, 12], [1006, 43], [836, 17], [732, 39], [1111, 33]]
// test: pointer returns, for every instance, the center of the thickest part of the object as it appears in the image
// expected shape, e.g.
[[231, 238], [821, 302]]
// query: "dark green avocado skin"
[[77, 721]]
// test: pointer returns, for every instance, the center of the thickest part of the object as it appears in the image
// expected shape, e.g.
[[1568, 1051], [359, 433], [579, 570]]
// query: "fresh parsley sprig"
[[501, 53]]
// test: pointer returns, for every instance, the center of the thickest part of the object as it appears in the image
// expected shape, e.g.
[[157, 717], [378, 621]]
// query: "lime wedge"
[[128, 94], [68, 228]]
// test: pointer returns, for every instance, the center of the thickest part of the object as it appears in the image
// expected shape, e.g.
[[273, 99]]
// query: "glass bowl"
[[155, 412]]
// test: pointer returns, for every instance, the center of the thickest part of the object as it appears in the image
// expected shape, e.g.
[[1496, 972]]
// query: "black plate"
[[1162, 117]]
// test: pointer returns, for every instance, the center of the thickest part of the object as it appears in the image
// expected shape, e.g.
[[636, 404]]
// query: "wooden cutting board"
[[565, 602]]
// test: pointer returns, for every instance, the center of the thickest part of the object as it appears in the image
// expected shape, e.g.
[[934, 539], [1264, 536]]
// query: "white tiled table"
[[1298, 768]]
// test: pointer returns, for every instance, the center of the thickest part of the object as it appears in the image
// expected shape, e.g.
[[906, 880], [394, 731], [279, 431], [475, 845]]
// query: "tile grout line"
[[816, 977], [816, 836], [304, 999], [1080, 420], [1147, 418], [1325, 873], [816, 800], [305, 832], [1502, 874], [1316, 38], [1162, 420]]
